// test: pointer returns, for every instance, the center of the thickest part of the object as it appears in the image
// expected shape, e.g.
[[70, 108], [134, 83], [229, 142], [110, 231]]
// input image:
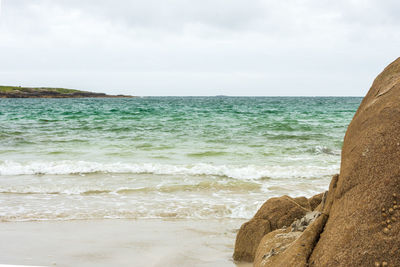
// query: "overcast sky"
[[207, 47]]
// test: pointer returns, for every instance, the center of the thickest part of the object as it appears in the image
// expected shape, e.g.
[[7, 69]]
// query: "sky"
[[208, 47]]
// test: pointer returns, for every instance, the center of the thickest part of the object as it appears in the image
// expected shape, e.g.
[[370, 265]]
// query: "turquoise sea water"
[[184, 157]]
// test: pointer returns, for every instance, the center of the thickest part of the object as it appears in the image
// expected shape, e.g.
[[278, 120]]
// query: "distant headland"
[[47, 92]]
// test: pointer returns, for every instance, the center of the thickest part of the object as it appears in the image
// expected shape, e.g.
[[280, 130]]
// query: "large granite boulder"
[[273, 214], [363, 228]]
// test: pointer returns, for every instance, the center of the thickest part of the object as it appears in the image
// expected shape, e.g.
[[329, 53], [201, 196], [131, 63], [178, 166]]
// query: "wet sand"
[[116, 242]]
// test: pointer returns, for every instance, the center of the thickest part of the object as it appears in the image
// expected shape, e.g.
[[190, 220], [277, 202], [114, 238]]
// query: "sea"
[[165, 157]]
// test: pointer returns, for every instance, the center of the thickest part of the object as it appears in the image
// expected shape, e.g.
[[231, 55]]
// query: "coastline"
[[49, 92], [144, 242]]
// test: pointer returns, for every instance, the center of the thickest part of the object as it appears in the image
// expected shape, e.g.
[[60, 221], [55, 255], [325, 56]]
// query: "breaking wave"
[[246, 172]]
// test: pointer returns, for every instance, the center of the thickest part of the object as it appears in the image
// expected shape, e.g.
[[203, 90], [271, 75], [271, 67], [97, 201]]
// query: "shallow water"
[[165, 157]]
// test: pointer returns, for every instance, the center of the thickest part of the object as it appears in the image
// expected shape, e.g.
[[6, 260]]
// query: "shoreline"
[[122, 242]]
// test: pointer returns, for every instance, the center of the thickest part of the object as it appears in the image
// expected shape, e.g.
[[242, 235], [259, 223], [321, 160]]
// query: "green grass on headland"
[[16, 89], [48, 92]]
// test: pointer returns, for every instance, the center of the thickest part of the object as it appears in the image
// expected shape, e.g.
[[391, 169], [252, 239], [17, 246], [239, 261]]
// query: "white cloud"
[[178, 47]]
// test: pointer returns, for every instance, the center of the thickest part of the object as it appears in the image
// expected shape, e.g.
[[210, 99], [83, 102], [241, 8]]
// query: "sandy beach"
[[119, 243]]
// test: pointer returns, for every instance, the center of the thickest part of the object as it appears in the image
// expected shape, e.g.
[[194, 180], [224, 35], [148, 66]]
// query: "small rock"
[[386, 230], [301, 224], [384, 263], [377, 264]]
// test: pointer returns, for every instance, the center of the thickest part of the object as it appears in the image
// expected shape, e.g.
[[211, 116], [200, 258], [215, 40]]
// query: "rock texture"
[[273, 214], [315, 201], [363, 227], [282, 211], [273, 244], [301, 224]]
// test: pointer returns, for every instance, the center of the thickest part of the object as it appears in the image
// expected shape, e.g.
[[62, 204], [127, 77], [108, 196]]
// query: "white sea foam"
[[182, 191], [232, 171]]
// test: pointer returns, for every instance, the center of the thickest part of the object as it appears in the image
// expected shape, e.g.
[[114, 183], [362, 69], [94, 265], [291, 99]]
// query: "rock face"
[[273, 244], [282, 211], [248, 238], [315, 200], [363, 228], [273, 214]]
